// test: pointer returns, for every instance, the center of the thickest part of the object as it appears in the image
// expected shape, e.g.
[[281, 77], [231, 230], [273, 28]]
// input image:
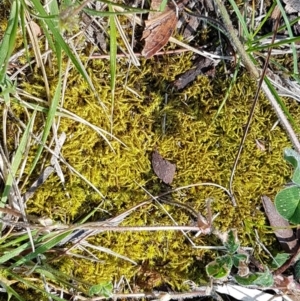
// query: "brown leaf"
[[243, 269], [202, 65], [164, 169], [159, 28], [35, 29], [155, 6]]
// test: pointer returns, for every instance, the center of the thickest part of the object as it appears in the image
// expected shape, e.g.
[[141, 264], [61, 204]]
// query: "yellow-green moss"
[[202, 148]]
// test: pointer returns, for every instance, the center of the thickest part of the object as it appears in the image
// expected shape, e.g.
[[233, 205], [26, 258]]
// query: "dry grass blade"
[[77, 237], [132, 55], [37, 53], [106, 250]]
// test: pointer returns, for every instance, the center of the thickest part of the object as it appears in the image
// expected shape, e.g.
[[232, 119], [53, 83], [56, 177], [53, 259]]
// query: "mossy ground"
[[202, 145], [203, 149]]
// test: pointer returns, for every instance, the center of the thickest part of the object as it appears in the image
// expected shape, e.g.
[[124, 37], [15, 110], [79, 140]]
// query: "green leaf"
[[287, 203], [6, 88], [294, 158], [297, 270], [279, 260], [219, 268], [104, 289], [237, 258], [250, 279], [264, 279], [232, 244], [261, 279]]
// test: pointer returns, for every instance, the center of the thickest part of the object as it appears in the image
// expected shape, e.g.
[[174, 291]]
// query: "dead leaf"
[[287, 284], [159, 27], [243, 269], [292, 6], [205, 224], [202, 65], [155, 6], [260, 144], [164, 169], [35, 28]]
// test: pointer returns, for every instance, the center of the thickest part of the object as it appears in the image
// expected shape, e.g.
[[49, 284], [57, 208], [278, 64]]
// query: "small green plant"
[[104, 288], [236, 258], [287, 201]]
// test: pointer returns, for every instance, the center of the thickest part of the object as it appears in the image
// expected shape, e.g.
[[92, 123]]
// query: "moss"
[[202, 147]]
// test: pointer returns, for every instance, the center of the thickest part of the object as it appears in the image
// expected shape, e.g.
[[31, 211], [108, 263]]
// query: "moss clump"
[[202, 147]]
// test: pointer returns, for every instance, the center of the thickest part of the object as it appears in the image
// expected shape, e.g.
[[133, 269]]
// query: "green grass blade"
[[14, 252], [52, 30], [53, 7], [41, 249], [129, 9], [93, 12], [59, 277], [9, 38], [24, 36], [240, 17], [30, 284], [269, 35], [232, 83], [11, 292], [277, 44], [265, 19], [14, 242], [290, 32], [163, 5], [52, 109]]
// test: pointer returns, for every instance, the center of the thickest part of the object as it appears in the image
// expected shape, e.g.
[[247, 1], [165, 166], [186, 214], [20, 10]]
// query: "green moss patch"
[[202, 145]]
